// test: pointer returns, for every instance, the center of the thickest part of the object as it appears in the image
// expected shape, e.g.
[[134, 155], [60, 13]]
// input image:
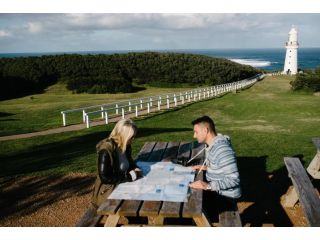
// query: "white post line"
[[87, 120], [136, 110], [102, 113], [122, 110], [148, 105], [84, 115], [106, 116], [64, 120]]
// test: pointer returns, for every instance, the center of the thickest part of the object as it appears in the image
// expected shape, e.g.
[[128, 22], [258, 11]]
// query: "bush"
[[309, 80]]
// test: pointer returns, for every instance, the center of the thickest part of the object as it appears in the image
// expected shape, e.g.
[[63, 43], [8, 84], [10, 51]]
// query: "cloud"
[[114, 31], [4, 33]]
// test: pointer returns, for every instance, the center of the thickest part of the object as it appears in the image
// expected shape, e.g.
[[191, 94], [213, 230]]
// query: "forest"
[[115, 73]]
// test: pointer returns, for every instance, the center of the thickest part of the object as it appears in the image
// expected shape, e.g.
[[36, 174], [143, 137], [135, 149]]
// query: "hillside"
[[115, 73]]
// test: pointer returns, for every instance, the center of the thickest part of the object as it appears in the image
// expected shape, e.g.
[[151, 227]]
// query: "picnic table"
[[157, 212]]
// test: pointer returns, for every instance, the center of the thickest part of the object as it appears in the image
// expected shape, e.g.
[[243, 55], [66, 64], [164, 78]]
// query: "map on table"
[[162, 181]]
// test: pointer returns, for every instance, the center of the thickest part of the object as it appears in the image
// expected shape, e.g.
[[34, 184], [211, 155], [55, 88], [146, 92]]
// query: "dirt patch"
[[61, 200], [262, 128], [44, 201]]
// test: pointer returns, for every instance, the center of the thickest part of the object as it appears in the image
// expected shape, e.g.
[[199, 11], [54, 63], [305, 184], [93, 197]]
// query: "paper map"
[[162, 181]]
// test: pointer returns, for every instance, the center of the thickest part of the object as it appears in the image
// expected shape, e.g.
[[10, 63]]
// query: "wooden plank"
[[316, 142], [129, 208], [290, 198], [171, 152], [112, 221], [193, 208], [89, 218], [230, 219], [202, 221], [110, 206], [170, 209], [150, 208], [157, 152], [307, 195], [314, 166], [145, 151], [184, 152], [196, 148]]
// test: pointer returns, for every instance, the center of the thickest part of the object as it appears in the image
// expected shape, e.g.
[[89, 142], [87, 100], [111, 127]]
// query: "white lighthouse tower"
[[291, 61]]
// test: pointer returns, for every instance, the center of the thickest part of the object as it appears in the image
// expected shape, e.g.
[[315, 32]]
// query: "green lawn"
[[43, 111], [266, 123]]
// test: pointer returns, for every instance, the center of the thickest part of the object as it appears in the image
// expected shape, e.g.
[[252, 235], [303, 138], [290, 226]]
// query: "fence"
[[110, 110]]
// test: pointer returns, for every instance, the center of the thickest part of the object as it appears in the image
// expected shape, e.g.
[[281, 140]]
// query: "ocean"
[[271, 59]]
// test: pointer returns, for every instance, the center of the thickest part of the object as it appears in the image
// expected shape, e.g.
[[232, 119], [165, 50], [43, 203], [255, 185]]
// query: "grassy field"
[[43, 111], [266, 123]]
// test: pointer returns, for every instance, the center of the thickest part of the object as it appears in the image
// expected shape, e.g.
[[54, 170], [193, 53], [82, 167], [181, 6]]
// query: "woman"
[[115, 163]]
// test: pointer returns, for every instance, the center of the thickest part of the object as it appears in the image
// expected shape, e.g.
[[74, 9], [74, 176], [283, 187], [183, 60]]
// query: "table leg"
[[155, 221], [202, 221], [112, 221]]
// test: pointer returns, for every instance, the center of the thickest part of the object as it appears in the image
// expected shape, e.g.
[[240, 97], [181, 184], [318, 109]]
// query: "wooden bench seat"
[[230, 218], [90, 218], [304, 189], [314, 166]]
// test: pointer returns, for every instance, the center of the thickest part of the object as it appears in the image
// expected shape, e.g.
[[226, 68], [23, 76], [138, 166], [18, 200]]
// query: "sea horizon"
[[270, 59]]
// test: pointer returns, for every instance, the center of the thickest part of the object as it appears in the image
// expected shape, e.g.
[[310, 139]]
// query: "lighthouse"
[[291, 61]]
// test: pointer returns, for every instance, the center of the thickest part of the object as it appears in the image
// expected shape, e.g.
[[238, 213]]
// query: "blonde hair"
[[122, 132]]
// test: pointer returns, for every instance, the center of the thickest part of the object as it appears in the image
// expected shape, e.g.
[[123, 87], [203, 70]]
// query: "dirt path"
[[80, 126]]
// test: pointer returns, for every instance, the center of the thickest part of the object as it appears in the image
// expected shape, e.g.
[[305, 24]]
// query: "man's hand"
[[197, 167], [199, 185]]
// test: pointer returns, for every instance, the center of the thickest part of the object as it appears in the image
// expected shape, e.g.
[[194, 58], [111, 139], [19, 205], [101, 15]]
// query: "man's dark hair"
[[208, 120]]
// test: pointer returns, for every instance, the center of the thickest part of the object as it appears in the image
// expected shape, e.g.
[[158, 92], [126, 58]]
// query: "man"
[[222, 174]]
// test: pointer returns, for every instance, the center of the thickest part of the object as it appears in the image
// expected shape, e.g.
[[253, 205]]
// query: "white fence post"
[[159, 105], [175, 101], [122, 110], [140, 104], [168, 102], [64, 119], [150, 102], [148, 106], [106, 115], [102, 113], [117, 109], [87, 121], [136, 110], [129, 106], [182, 100], [84, 115]]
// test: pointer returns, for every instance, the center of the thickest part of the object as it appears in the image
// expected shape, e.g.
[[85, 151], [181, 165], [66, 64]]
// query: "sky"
[[41, 32]]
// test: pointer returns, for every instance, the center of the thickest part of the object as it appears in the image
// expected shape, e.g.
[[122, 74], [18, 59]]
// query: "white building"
[[291, 61]]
